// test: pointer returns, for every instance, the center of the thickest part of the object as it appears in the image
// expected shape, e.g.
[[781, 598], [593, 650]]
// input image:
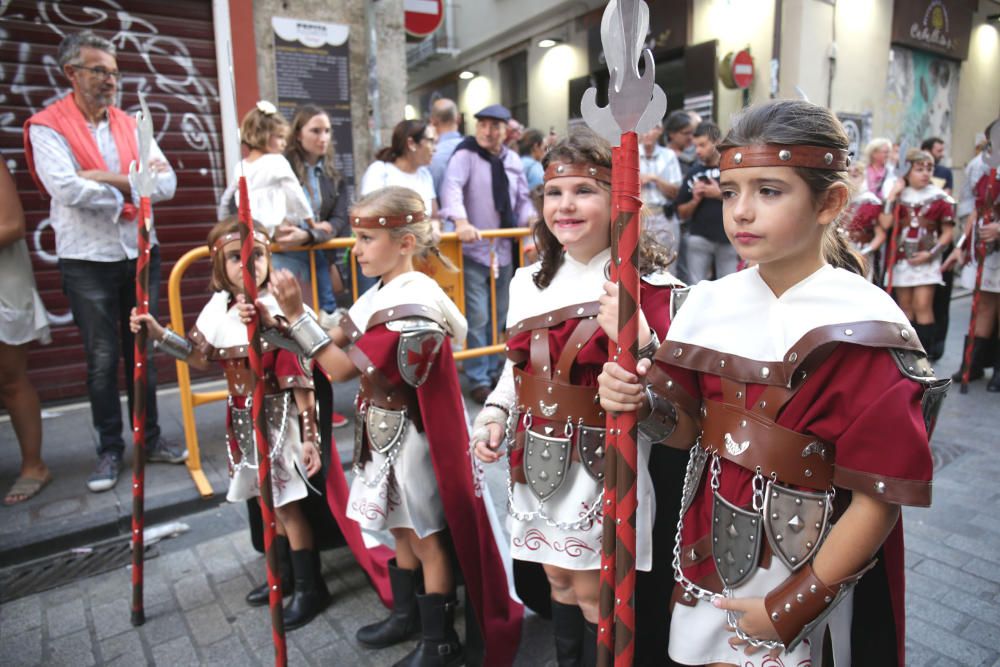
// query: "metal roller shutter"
[[165, 49]]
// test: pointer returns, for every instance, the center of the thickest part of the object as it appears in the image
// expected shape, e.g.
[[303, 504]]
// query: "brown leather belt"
[[755, 442], [557, 401], [377, 390]]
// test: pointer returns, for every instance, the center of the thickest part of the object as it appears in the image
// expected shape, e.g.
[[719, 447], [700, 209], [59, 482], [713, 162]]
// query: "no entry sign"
[[743, 69], [422, 17]]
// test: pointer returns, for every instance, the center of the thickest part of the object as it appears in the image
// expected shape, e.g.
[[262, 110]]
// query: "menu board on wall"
[[311, 63], [939, 26]]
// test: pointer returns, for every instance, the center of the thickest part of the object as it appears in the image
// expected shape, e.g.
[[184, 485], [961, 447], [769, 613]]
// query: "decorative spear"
[[635, 104], [142, 180], [991, 156], [257, 411]]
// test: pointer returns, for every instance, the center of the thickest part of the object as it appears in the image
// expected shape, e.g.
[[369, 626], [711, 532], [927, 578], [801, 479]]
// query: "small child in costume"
[[860, 221], [920, 227], [411, 471], [220, 337], [806, 401], [275, 191]]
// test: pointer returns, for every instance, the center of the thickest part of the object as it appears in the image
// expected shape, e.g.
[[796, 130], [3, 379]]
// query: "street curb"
[[27, 545]]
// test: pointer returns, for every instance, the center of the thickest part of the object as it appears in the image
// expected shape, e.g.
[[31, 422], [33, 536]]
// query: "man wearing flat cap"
[[484, 188]]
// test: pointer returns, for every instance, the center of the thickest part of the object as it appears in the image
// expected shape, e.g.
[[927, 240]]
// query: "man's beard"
[[101, 99]]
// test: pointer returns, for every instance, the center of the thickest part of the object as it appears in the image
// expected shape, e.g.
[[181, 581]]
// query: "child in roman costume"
[[805, 399], [219, 336], [411, 472], [860, 221], [920, 226], [558, 339]]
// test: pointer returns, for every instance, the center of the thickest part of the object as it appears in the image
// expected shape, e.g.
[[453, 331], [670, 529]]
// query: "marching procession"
[[696, 469]]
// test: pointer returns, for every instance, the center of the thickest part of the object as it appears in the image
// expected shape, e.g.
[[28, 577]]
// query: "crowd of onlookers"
[[79, 149]]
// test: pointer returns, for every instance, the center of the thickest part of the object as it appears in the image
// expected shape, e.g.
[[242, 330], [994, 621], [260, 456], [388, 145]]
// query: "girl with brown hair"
[[805, 400], [545, 406]]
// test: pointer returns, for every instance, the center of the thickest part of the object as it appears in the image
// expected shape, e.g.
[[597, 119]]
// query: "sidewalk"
[[195, 588]]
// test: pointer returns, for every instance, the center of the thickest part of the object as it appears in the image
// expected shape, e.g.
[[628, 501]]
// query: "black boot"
[[980, 353], [589, 655], [439, 645], [994, 383], [311, 595], [404, 621], [567, 626], [258, 597], [925, 332]]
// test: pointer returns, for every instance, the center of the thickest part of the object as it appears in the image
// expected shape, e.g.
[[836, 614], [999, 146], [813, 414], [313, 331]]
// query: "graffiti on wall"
[[180, 88], [921, 92]]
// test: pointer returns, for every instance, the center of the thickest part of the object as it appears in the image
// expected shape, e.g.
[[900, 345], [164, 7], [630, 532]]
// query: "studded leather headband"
[[580, 170], [386, 221], [778, 155], [258, 237]]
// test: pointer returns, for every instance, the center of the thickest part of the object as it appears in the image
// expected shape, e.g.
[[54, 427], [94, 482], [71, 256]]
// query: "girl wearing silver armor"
[[219, 337], [805, 400], [544, 403]]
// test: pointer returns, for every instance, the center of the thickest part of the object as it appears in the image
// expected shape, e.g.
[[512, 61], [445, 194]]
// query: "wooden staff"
[[260, 430], [635, 104], [979, 249], [893, 247], [142, 179]]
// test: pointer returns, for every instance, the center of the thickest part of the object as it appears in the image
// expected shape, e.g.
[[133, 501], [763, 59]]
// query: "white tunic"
[[536, 539], [403, 492]]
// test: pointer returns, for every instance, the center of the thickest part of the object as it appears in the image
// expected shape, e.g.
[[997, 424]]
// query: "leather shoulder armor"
[[915, 366], [420, 340]]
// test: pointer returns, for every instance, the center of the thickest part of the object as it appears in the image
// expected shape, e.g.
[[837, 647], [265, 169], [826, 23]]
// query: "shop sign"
[[939, 26]]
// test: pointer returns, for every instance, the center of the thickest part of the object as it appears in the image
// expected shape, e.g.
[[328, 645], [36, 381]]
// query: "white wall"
[[978, 88], [737, 24]]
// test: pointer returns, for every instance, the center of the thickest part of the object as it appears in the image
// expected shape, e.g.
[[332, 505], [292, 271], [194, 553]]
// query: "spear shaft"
[[260, 431], [139, 386], [979, 250]]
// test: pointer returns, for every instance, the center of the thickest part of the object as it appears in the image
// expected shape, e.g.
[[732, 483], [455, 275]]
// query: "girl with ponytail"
[[792, 384]]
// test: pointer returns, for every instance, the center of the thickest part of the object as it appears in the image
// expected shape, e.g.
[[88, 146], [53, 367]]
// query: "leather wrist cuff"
[[802, 601], [310, 336], [174, 344], [308, 427], [662, 418]]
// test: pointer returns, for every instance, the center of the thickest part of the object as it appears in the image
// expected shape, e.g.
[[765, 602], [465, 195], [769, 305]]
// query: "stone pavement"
[[195, 588]]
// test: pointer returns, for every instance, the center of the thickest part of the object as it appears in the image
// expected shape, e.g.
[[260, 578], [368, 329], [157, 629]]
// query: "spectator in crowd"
[[484, 188], [679, 128], [444, 118], [709, 254], [22, 320], [935, 146], [310, 153], [689, 156], [660, 176], [532, 150], [404, 162], [878, 172], [79, 150], [515, 131]]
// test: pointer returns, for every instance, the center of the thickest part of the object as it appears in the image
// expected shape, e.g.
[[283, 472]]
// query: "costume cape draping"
[[66, 118]]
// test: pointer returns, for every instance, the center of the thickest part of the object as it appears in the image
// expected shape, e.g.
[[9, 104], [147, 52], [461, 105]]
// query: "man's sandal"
[[25, 488]]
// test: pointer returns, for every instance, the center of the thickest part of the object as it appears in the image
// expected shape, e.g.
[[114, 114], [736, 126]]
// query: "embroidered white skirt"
[[905, 274], [406, 496], [991, 274], [538, 541]]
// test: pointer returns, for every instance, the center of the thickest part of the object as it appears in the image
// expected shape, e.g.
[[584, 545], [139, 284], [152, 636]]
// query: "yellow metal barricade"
[[451, 283]]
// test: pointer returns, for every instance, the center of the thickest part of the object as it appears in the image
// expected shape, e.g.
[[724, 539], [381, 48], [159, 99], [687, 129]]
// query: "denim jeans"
[[481, 370], [101, 295], [298, 263], [703, 254]]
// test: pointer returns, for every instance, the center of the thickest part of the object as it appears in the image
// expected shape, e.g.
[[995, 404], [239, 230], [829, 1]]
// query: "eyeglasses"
[[101, 72]]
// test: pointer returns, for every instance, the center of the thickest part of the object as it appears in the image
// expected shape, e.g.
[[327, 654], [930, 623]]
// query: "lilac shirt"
[[466, 194]]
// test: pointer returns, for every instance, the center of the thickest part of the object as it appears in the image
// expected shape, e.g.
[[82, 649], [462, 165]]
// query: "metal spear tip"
[[635, 102], [143, 178]]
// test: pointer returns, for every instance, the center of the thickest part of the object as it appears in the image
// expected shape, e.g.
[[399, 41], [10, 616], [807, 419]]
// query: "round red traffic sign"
[[743, 69], [422, 17]]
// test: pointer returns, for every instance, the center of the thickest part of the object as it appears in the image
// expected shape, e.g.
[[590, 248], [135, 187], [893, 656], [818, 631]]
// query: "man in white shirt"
[[79, 150], [660, 176]]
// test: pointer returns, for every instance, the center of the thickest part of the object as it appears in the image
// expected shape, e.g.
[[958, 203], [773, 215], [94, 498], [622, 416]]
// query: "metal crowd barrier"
[[452, 283]]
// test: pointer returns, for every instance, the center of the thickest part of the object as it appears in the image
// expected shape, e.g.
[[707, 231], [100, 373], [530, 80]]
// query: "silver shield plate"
[[795, 522], [415, 354], [385, 427], [590, 440], [692, 479], [736, 536], [242, 425], [359, 435], [546, 461]]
